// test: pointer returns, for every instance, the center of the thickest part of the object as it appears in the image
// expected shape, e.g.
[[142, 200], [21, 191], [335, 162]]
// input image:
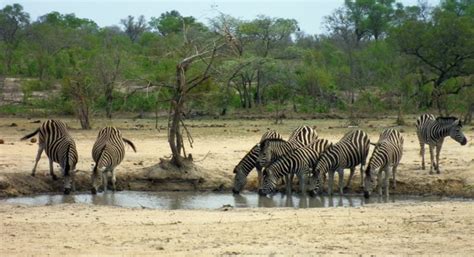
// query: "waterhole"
[[211, 200]]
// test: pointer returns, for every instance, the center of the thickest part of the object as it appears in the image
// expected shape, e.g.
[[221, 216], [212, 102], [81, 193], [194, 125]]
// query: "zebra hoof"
[[55, 177], [366, 194], [235, 192], [67, 191], [93, 191]]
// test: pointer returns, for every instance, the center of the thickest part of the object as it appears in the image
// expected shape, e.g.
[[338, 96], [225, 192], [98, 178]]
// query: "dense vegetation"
[[378, 56]]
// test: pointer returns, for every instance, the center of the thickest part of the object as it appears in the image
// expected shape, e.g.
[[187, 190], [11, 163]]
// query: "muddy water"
[[207, 200]]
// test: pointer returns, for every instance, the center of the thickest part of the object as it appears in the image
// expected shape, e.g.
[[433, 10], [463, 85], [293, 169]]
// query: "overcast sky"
[[308, 13]]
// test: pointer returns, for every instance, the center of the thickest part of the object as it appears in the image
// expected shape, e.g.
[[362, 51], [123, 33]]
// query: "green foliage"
[[377, 56]]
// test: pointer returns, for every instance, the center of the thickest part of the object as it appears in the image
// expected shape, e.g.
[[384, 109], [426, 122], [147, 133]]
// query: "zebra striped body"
[[272, 149], [298, 162], [349, 152], [108, 152], [387, 153], [432, 131], [249, 161], [60, 147], [304, 135]]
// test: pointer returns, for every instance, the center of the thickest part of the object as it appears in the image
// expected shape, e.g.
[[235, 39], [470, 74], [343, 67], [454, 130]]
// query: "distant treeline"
[[378, 56]]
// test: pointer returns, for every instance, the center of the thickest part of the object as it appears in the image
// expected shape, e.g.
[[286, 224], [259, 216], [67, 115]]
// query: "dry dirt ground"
[[444, 228]]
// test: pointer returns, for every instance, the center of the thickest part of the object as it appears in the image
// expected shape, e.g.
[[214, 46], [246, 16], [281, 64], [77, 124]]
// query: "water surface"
[[210, 200]]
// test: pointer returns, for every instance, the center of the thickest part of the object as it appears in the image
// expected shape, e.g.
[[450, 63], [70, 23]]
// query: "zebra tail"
[[130, 144], [31, 134]]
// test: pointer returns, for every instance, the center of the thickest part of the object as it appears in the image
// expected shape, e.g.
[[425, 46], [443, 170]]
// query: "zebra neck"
[[442, 129]]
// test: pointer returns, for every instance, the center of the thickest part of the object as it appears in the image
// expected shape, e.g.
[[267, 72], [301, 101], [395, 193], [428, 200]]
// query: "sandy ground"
[[396, 229], [386, 229]]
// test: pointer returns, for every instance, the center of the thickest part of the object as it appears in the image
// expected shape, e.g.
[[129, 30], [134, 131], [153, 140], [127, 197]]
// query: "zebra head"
[[264, 155], [69, 169], [318, 175], [240, 179], [96, 178], [456, 133], [368, 182], [269, 183]]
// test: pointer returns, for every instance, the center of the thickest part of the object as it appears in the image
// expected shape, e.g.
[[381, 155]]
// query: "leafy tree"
[[442, 46], [174, 22], [13, 20]]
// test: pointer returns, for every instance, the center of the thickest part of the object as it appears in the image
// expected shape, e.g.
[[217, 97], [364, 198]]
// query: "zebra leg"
[[422, 153], [291, 181], [259, 178], [438, 150], [431, 159], [379, 181], [288, 184], [113, 181], [38, 157], [394, 171], [51, 172], [302, 181], [341, 181], [386, 183], [330, 182], [350, 178], [104, 180], [362, 175]]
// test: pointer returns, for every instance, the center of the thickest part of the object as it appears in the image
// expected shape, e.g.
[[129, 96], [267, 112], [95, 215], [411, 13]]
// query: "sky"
[[308, 13]]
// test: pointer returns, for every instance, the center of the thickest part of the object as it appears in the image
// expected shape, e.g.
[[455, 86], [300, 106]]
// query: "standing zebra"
[[107, 152], [59, 147], [298, 162], [249, 162], [432, 131], [388, 152], [349, 152]]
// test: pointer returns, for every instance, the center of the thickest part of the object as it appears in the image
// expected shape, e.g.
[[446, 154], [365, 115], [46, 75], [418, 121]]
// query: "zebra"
[[388, 152], [108, 151], [249, 161], [272, 149], [60, 147], [349, 152], [432, 131], [304, 135], [298, 162]]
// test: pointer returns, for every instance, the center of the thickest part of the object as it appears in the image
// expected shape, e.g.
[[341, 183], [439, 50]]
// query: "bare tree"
[[181, 90], [134, 29]]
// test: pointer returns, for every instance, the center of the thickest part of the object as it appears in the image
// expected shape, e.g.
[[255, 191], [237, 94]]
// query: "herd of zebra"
[[304, 154], [311, 158], [108, 151]]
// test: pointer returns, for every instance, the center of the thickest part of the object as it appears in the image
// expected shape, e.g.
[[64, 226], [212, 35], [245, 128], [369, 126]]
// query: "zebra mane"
[[266, 141], [448, 120]]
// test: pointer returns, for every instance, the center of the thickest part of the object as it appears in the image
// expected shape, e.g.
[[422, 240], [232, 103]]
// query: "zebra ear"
[[457, 123]]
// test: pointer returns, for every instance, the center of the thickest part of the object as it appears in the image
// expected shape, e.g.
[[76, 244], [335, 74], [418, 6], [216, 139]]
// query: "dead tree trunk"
[[181, 89]]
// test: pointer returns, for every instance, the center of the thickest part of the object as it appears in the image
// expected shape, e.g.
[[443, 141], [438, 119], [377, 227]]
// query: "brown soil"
[[444, 228]]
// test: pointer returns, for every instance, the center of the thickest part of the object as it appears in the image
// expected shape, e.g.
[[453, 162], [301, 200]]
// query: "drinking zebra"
[[432, 131], [60, 147], [299, 162], [349, 152], [387, 153], [108, 151], [248, 162]]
